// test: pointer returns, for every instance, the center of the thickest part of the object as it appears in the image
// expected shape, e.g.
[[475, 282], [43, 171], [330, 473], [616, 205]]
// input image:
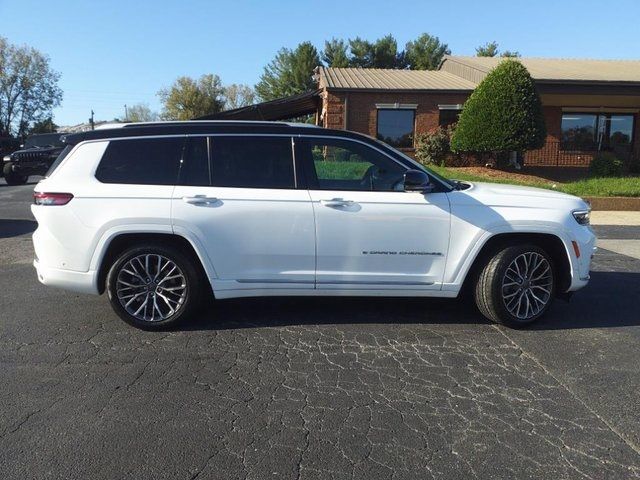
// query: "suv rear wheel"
[[516, 286], [153, 287], [11, 177]]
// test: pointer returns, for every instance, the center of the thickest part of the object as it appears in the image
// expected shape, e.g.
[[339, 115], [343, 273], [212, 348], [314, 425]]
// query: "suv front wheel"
[[153, 287], [516, 286], [11, 177]]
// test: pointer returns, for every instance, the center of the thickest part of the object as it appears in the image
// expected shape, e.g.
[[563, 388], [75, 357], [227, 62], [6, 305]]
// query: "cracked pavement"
[[315, 388]]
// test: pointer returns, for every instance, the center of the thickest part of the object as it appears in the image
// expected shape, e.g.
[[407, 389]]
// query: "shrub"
[[433, 147], [606, 164], [504, 113]]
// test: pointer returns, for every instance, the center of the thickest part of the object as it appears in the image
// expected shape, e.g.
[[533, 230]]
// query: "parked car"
[[34, 158], [160, 215], [8, 145]]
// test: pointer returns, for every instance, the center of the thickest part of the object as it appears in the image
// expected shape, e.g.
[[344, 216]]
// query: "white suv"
[[155, 214]]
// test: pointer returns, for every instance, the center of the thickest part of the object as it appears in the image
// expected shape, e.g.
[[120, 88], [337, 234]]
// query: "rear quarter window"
[[151, 161]]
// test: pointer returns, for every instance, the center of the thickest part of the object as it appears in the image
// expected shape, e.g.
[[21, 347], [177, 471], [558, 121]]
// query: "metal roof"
[[279, 109], [555, 69], [387, 79]]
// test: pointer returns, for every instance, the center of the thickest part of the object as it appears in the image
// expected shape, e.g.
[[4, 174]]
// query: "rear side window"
[[252, 162], [194, 168], [151, 161]]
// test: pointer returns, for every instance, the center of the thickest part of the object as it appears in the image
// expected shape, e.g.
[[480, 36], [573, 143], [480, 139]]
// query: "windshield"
[[419, 166], [46, 140]]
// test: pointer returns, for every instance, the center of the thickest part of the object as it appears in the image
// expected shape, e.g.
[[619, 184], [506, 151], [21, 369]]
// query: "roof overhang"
[[280, 109]]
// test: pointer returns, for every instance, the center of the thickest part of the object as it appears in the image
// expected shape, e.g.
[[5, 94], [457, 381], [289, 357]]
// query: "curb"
[[614, 203]]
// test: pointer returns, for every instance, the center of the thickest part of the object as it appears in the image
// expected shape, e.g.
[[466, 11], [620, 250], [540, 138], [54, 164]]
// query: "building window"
[[396, 126], [596, 131], [449, 115]]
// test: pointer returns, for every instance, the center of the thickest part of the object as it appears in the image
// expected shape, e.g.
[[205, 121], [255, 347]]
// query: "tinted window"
[[596, 131], [344, 165], [194, 169], [145, 161], [252, 161], [395, 127]]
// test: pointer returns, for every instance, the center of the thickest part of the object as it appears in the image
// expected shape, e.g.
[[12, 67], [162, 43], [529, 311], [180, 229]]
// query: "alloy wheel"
[[151, 287], [527, 285]]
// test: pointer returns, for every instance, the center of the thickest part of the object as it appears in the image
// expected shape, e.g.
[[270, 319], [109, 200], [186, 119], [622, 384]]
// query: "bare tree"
[[28, 88], [238, 95]]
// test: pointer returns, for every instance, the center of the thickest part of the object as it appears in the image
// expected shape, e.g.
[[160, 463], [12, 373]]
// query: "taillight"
[[45, 198]]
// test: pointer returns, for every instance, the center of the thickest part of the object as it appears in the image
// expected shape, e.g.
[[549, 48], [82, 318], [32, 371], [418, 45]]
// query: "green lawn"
[[605, 187]]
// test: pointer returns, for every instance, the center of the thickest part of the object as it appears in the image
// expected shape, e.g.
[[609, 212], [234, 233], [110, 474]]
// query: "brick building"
[[589, 105]]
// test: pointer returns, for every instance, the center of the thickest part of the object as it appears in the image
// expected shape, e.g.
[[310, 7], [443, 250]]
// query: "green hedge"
[[504, 113]]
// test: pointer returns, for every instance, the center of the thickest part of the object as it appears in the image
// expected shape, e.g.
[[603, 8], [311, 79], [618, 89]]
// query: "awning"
[[279, 109]]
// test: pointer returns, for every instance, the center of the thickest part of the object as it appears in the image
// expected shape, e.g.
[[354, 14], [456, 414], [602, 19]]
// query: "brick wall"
[[362, 113], [357, 111]]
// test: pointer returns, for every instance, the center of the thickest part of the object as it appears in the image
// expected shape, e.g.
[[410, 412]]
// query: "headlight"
[[6, 158], [582, 216]]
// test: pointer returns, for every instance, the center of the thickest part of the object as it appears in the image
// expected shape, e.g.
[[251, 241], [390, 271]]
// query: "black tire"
[[193, 286], [493, 285], [11, 177]]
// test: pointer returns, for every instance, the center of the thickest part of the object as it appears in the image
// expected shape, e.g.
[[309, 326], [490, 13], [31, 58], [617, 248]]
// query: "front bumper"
[[581, 266], [82, 282]]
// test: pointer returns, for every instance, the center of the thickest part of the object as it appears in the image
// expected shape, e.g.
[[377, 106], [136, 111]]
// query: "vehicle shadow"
[[610, 300], [15, 228]]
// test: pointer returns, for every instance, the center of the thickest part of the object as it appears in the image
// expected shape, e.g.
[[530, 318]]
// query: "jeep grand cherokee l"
[[155, 214]]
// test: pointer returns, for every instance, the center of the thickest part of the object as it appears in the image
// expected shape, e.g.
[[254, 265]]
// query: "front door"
[[371, 234], [237, 198]]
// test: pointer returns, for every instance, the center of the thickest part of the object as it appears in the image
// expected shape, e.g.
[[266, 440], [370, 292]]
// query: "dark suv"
[[35, 158]]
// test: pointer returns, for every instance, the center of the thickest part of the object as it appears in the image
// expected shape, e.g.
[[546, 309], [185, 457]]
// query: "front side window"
[[334, 164], [149, 161], [396, 127], [596, 131], [252, 162]]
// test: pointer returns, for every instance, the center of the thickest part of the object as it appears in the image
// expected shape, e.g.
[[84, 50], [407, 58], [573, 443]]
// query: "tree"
[[43, 126], [140, 113], [504, 113], [489, 49], [289, 73], [383, 53], [426, 52], [238, 95], [335, 53], [28, 88], [187, 98], [510, 54]]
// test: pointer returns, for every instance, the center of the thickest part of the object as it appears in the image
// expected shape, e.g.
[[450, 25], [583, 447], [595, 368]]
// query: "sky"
[[112, 53]]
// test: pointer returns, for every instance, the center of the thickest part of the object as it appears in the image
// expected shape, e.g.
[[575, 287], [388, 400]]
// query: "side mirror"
[[417, 181]]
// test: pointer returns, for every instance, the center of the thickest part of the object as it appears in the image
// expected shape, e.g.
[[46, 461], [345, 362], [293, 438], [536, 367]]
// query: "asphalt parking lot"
[[317, 388]]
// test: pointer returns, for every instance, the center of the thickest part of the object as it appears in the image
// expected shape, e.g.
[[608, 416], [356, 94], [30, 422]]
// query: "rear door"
[[371, 234], [237, 198]]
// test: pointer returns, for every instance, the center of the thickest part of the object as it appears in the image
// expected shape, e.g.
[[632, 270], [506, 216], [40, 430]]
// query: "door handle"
[[337, 202], [200, 200]]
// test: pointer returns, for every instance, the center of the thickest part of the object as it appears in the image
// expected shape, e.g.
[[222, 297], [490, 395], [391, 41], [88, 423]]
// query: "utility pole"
[[126, 113], [91, 121]]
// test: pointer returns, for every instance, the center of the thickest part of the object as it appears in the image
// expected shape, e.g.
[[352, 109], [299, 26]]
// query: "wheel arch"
[[551, 243], [121, 241]]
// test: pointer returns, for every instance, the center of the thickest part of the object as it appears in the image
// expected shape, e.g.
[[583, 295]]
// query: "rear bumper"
[[82, 282]]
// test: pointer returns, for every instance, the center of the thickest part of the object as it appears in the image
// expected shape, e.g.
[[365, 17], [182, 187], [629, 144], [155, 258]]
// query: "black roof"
[[203, 128], [279, 109]]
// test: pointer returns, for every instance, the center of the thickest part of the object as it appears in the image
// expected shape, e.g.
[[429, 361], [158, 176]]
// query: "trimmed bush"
[[606, 164], [433, 147], [503, 114]]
